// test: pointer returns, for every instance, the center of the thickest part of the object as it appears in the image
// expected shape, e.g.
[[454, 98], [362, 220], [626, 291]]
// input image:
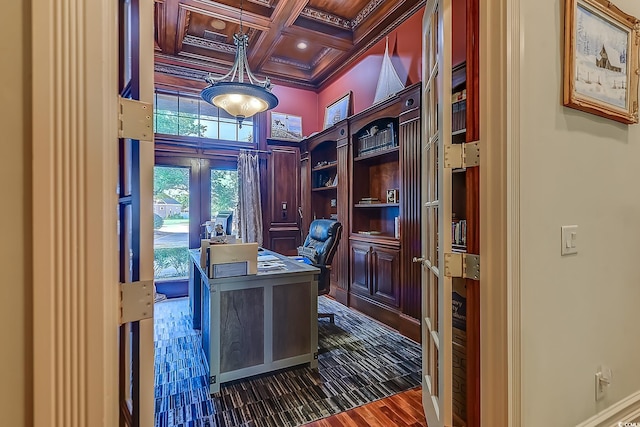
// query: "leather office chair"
[[319, 248]]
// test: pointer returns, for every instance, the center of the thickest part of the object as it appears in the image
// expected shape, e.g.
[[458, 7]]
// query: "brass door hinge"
[[465, 155], [136, 301], [466, 266], [135, 119]]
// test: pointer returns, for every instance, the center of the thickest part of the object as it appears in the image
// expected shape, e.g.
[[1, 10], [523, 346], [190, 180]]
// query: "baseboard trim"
[[625, 411]]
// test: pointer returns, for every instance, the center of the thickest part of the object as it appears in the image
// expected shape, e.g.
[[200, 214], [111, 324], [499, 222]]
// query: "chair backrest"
[[322, 241]]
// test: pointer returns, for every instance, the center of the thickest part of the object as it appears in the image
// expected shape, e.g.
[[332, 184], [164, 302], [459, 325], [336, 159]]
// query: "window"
[[224, 193], [171, 222], [187, 115]]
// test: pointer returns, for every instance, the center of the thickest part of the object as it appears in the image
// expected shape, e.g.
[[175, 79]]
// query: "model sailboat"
[[388, 83]]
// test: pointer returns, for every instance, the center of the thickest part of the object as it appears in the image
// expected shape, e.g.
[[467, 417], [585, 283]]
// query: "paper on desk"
[[267, 258], [270, 265]]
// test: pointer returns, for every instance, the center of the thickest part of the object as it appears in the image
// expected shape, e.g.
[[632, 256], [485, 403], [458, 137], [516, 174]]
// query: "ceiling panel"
[[197, 35], [347, 9]]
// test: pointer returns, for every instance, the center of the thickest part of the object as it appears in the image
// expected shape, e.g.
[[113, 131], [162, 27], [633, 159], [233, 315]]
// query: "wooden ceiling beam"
[[228, 13], [168, 43], [285, 13]]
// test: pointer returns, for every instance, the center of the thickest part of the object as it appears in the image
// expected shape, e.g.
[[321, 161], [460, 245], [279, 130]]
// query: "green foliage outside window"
[[224, 190], [173, 182], [171, 262], [173, 124]]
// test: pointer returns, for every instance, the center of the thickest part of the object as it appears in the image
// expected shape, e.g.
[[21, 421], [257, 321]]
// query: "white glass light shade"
[[240, 100]]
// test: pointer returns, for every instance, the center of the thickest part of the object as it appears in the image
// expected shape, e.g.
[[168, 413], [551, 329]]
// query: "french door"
[[450, 219], [436, 214], [134, 215]]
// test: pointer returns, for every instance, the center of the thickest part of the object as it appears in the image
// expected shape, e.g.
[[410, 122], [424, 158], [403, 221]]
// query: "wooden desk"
[[256, 324]]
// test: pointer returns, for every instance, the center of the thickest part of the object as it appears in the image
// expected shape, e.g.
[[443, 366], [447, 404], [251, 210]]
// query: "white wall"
[[15, 314], [578, 311]]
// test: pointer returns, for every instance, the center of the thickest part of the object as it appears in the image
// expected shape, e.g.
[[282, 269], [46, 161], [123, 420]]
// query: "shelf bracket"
[[135, 119], [136, 301], [466, 266], [457, 156]]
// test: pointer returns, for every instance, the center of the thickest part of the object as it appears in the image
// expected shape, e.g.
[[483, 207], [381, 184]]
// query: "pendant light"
[[241, 99]]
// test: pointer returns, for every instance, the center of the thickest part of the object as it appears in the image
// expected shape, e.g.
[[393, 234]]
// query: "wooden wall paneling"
[[284, 240], [341, 260], [283, 200], [410, 225], [385, 283], [329, 145], [305, 194], [284, 183]]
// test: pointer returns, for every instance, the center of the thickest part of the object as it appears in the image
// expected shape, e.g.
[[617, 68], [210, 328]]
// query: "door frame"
[[95, 44], [500, 56], [74, 63]]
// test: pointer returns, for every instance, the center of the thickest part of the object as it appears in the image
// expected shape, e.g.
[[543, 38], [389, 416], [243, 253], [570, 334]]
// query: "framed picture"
[[601, 60], [392, 196], [286, 127], [339, 110]]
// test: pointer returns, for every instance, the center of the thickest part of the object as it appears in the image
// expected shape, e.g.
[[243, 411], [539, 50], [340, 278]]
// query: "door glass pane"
[[436, 176], [435, 310], [427, 297], [435, 378], [459, 351], [224, 194], [171, 222], [435, 236]]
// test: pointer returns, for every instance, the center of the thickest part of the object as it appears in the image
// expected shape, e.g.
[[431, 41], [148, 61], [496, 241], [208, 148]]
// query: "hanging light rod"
[[239, 98]]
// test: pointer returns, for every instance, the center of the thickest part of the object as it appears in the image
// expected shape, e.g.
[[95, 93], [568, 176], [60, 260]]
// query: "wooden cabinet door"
[[360, 268], [385, 275]]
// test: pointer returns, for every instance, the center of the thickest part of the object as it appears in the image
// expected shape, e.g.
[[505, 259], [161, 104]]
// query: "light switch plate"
[[569, 239]]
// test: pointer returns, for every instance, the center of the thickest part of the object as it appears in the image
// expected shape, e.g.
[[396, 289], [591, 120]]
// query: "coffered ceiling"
[[299, 43]]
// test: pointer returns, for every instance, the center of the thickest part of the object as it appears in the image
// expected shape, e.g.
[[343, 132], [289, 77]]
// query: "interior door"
[[436, 214], [134, 208]]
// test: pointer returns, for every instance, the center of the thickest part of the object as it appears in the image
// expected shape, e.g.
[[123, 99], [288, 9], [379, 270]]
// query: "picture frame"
[[600, 73], [337, 111], [286, 127], [392, 195]]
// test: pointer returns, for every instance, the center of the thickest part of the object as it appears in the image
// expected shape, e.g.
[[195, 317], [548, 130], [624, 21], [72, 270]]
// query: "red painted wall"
[[405, 50], [298, 102], [459, 28]]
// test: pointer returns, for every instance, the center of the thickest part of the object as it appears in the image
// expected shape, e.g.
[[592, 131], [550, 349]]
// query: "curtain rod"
[[256, 151]]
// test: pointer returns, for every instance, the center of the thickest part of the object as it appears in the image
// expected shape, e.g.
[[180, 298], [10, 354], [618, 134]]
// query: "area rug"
[[359, 360]]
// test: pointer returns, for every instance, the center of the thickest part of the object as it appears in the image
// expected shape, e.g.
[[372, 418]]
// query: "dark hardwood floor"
[[400, 410]]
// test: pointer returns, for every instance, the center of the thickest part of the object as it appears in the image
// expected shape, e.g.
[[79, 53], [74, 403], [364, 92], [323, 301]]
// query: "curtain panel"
[[249, 205]]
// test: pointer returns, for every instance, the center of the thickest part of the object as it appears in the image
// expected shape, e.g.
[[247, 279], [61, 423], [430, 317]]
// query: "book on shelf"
[[396, 227], [370, 232], [459, 232], [368, 201], [459, 96], [375, 140]]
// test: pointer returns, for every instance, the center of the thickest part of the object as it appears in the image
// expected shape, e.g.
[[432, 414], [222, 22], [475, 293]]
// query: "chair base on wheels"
[[329, 316]]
